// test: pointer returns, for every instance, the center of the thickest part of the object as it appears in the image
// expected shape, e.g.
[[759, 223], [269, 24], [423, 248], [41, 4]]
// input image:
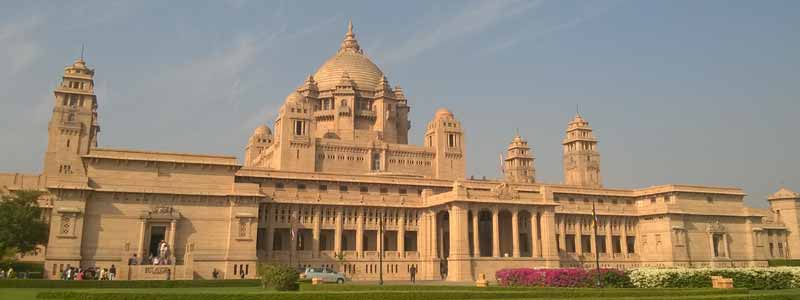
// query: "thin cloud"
[[535, 32], [474, 18], [15, 43]]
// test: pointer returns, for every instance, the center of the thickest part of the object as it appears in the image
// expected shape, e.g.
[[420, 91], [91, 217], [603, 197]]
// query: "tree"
[[21, 225]]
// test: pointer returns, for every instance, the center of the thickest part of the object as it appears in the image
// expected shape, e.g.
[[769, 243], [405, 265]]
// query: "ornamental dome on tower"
[[443, 112], [349, 59], [262, 130]]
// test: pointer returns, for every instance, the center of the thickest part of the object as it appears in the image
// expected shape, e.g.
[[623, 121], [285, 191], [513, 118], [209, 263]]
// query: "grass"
[[353, 291]]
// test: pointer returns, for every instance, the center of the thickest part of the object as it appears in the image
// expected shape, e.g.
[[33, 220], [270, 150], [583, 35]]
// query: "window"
[[653, 200], [631, 241], [279, 186], [402, 191], [384, 190], [451, 140], [301, 186], [376, 161], [571, 200], [343, 188], [709, 199], [717, 240], [322, 188], [363, 189], [299, 127]]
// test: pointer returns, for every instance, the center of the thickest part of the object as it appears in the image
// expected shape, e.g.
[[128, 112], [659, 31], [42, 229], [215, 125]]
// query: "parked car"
[[324, 274]]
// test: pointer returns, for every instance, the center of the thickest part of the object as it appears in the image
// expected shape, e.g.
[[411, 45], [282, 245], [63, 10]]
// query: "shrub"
[[83, 284], [561, 277], [411, 293], [278, 277], [784, 262], [751, 278]]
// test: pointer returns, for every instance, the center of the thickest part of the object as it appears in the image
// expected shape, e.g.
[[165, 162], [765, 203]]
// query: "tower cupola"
[[581, 159], [518, 163]]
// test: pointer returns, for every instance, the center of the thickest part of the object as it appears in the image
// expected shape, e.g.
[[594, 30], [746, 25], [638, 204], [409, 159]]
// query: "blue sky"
[[697, 92]]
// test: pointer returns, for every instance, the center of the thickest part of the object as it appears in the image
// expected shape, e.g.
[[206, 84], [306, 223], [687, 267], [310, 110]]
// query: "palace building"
[[336, 182]]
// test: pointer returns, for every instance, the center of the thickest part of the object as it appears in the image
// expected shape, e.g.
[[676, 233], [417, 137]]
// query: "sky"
[[682, 91]]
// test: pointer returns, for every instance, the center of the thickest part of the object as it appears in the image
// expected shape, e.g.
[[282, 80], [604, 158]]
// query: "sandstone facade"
[[336, 183]]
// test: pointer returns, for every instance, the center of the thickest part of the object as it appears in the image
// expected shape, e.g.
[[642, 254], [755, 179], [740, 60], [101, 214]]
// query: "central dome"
[[349, 59]]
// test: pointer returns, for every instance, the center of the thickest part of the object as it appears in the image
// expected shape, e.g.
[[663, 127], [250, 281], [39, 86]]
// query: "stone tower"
[[783, 205], [73, 127], [518, 164], [445, 135], [293, 134], [581, 159], [256, 145]]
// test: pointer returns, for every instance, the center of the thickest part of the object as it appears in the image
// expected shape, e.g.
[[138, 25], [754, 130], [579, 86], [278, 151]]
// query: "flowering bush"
[[751, 278], [561, 277]]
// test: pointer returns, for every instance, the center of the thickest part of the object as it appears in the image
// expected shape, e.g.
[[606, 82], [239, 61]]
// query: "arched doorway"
[[506, 238], [442, 234], [485, 233], [443, 241], [524, 220]]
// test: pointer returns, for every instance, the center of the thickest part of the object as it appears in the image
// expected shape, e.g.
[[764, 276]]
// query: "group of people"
[[91, 273], [162, 257], [10, 274]]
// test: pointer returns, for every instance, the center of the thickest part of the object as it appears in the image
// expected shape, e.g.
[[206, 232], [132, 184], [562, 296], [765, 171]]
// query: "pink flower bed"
[[550, 277]]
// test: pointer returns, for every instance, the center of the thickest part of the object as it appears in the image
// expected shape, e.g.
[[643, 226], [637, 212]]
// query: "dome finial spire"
[[350, 44], [350, 27]]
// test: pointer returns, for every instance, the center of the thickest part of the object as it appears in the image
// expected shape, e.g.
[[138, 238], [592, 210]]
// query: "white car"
[[324, 274]]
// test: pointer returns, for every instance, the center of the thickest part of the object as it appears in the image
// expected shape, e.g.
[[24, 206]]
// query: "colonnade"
[[579, 223]]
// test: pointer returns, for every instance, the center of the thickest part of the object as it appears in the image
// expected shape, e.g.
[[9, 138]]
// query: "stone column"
[[515, 232], [434, 249], [315, 231], [578, 235], [725, 247], [623, 238], [337, 240], [458, 262], [549, 250], [476, 243], [142, 232], [495, 232], [266, 221], [562, 234], [172, 227], [609, 242], [360, 232], [401, 233], [536, 246]]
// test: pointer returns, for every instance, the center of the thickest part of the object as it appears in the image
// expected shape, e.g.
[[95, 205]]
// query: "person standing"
[[112, 273], [215, 274], [413, 272], [133, 260], [241, 272]]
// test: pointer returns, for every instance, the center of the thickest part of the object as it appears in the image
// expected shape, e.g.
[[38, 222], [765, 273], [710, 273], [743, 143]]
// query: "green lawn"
[[389, 292]]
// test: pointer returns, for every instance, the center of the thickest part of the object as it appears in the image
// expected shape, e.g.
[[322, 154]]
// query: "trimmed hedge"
[[784, 262], [30, 270], [568, 277], [90, 284], [750, 278], [507, 293]]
